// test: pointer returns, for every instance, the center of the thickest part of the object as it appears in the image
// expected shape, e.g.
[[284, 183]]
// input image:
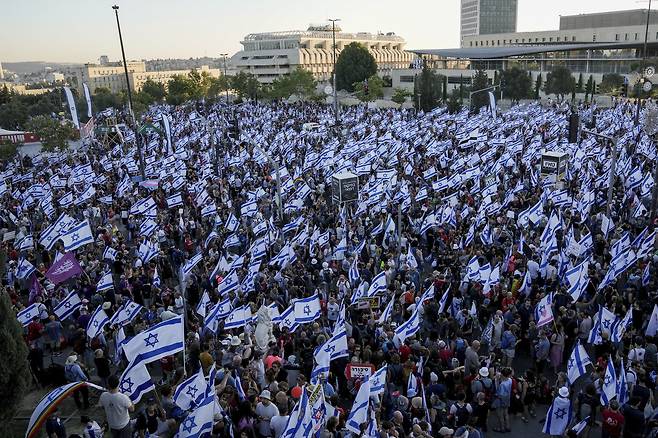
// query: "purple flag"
[[63, 269], [36, 289]]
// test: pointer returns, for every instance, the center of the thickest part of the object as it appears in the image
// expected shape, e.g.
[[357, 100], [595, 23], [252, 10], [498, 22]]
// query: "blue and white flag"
[[578, 280], [228, 283], [238, 387], [109, 253], [24, 269], [126, 313], [105, 283], [354, 271], [202, 307], [191, 263], [444, 300], [97, 322], [307, 309], [359, 412], [408, 328], [25, 243], [652, 326], [156, 278], [578, 362], [191, 392], [646, 275], [199, 423], [174, 200], [26, 315], [378, 381], [68, 306], [558, 417], [580, 426], [147, 227], [544, 311], [232, 223], [378, 285], [609, 386], [163, 339], [136, 381], [218, 312], [299, 417], [388, 311], [238, 317], [77, 236], [412, 385]]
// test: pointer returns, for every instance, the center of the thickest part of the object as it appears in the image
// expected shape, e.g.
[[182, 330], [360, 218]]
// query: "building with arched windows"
[[272, 54]]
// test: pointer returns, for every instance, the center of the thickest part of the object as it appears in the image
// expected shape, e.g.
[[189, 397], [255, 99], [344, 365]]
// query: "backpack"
[[461, 415]]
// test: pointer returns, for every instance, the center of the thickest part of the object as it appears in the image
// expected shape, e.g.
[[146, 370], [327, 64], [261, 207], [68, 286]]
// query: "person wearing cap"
[[446, 432], [483, 383], [74, 373], [265, 410]]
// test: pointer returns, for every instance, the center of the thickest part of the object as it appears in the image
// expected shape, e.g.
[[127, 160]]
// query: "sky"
[[82, 30]]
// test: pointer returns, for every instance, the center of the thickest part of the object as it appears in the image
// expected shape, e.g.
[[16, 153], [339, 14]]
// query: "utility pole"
[[333, 35], [644, 62], [130, 97], [224, 55]]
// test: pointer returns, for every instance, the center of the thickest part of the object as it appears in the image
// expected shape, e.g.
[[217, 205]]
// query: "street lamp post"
[[130, 95], [224, 55], [333, 36], [644, 62]]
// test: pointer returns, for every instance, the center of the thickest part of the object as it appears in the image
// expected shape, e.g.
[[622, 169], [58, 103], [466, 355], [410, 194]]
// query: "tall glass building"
[[483, 17]]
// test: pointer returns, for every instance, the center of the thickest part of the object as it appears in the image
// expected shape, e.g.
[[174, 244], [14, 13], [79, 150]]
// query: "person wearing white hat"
[[74, 373], [265, 410]]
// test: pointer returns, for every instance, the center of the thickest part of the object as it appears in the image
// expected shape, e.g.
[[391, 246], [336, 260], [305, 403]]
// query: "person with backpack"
[[482, 383], [460, 412], [74, 373]]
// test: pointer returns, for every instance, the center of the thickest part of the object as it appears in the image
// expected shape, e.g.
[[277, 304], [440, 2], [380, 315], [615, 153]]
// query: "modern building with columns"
[[272, 54]]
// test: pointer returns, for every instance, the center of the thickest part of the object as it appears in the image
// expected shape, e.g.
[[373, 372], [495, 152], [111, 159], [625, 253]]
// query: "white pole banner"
[[165, 123], [492, 104], [88, 98], [74, 111]]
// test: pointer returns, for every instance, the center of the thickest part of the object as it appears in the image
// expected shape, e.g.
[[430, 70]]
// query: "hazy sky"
[[81, 30]]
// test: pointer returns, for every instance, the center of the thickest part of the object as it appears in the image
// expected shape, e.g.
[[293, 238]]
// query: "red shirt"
[[612, 422], [405, 351]]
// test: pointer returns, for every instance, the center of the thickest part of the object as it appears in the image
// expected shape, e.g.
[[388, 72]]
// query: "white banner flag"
[[88, 98], [74, 111]]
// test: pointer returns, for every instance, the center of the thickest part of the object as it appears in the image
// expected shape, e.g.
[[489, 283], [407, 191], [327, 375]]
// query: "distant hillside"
[[23, 68]]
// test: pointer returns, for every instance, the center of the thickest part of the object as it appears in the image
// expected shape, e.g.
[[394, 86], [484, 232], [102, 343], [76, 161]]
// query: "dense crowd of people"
[[464, 287]]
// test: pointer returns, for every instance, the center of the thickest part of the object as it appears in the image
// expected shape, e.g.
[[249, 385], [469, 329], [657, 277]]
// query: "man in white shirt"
[[265, 410], [117, 409]]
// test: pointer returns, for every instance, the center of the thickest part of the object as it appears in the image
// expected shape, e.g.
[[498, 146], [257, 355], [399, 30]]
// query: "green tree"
[[559, 82], [444, 93], [375, 89], [245, 85], [13, 115], [400, 95], [579, 84], [427, 89], [8, 150], [354, 65], [219, 85], [14, 367], [612, 84], [154, 89], [299, 82], [454, 104], [515, 84], [178, 90], [104, 98], [480, 81], [54, 134], [5, 95], [538, 85]]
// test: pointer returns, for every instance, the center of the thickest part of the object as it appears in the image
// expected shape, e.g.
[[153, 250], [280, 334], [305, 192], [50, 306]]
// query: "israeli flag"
[[359, 412], [228, 284], [97, 322], [109, 253], [174, 200], [412, 385], [66, 200], [378, 285], [238, 387], [307, 309], [25, 316], [646, 275], [407, 329], [156, 278], [609, 386], [147, 227], [300, 416], [388, 311], [378, 381], [544, 311], [558, 417], [142, 205], [191, 263], [526, 287], [218, 312], [160, 340], [105, 283], [200, 421], [580, 426], [77, 236], [232, 223], [578, 280], [24, 269], [444, 300], [203, 304], [191, 392], [354, 271], [238, 317], [126, 313], [67, 306], [25, 243], [578, 362], [135, 381], [622, 386]]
